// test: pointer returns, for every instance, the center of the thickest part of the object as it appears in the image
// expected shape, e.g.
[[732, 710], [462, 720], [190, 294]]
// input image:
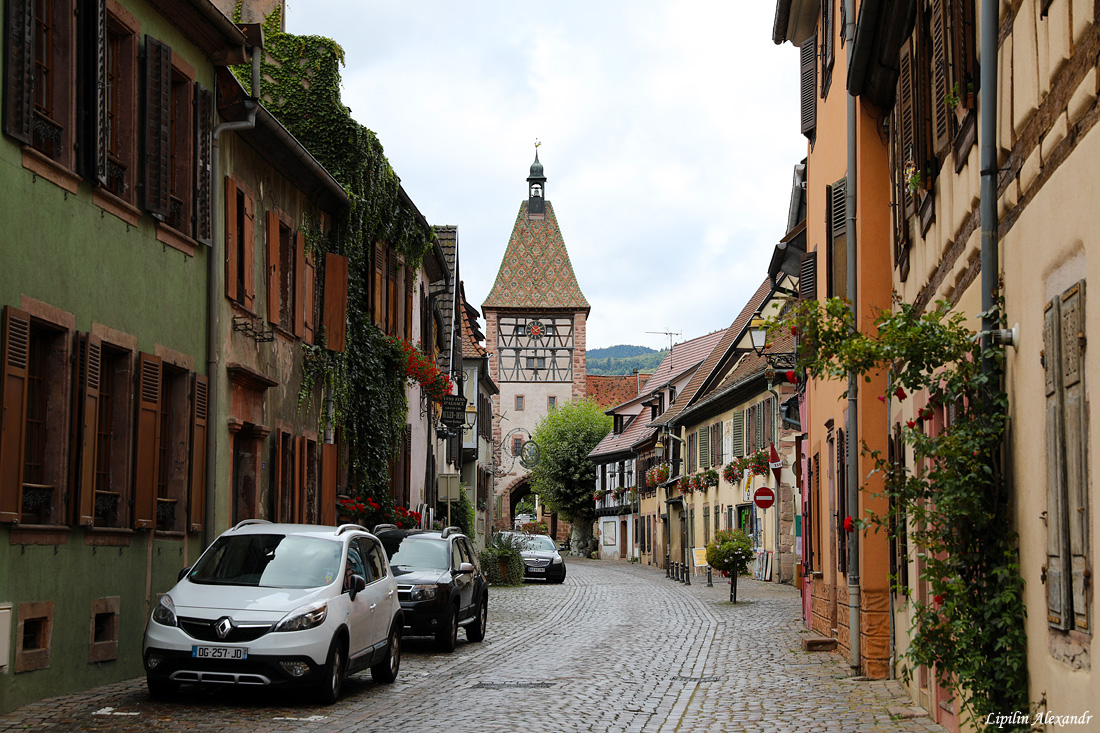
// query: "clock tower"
[[535, 318]]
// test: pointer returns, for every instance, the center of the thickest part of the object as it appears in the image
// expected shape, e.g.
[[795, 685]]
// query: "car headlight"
[[556, 560], [422, 592], [306, 617], [165, 612]]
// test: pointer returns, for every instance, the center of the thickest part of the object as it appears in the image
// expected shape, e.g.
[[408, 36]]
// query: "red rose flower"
[[938, 600], [849, 525], [792, 377], [911, 424], [794, 330], [881, 399], [900, 393]]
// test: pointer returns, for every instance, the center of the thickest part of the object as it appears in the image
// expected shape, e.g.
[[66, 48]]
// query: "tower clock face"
[[535, 348]]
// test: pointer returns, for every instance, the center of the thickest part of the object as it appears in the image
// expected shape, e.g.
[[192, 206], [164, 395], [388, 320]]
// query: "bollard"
[[675, 571], [709, 583], [687, 575], [668, 568]]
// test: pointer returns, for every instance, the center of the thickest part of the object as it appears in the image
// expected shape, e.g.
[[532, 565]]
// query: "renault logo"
[[223, 627]]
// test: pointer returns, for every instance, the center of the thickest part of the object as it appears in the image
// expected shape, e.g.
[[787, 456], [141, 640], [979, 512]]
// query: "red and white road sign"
[[764, 497]]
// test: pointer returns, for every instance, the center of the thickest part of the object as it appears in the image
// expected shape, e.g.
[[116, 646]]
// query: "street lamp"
[[471, 415], [758, 332]]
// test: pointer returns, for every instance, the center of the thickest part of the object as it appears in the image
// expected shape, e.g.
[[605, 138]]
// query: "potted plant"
[[730, 552]]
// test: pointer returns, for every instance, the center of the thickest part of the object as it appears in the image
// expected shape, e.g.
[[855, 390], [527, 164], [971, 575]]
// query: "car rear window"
[[269, 560]]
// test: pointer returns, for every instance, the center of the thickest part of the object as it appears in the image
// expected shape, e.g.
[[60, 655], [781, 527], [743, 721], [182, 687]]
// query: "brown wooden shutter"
[[1058, 590], [300, 479], [379, 286], [19, 74], [807, 278], [200, 391], [272, 233], [330, 472], [89, 360], [280, 476], [761, 438], [158, 96], [828, 33], [391, 293], [231, 242], [13, 395], [249, 245], [809, 85], [99, 132], [906, 123], [964, 60], [299, 281], [309, 306], [336, 301], [410, 289], [1076, 431], [941, 113], [147, 441], [204, 194]]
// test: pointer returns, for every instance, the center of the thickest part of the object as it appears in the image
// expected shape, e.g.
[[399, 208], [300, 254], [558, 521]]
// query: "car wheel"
[[447, 637], [386, 670], [161, 688], [476, 630], [333, 673]]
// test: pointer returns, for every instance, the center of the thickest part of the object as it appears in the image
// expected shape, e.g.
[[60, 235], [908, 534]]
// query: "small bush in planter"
[[501, 560]]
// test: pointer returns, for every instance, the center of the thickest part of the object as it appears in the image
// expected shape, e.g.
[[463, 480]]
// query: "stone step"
[[818, 644]]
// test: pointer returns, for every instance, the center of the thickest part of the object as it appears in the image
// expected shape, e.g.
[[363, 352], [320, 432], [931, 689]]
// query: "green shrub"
[[730, 552], [501, 560]]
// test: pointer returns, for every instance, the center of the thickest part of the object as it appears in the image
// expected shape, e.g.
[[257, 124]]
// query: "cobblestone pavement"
[[617, 647]]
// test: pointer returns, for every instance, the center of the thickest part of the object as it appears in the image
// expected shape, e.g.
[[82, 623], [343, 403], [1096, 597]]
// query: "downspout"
[[213, 302], [988, 136], [776, 418], [851, 462]]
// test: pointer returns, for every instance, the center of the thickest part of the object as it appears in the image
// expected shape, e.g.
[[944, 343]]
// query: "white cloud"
[[669, 131]]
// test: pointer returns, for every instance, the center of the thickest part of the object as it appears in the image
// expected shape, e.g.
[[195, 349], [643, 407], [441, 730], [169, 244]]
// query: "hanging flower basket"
[[422, 369], [732, 472], [709, 478]]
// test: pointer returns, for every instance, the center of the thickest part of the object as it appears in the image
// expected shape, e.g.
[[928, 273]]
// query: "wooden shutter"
[[204, 195], [272, 233], [809, 85], [693, 453], [807, 278], [1058, 590], [158, 95], [96, 38], [298, 282], [941, 113], [330, 457], [231, 242], [768, 414], [906, 122], [828, 34], [716, 444], [89, 361], [410, 289], [391, 293], [13, 394], [704, 448], [249, 245], [379, 286], [750, 429], [200, 398], [300, 479], [737, 434], [836, 208], [841, 501], [147, 441], [727, 441], [964, 60], [309, 291], [19, 73], [336, 301]]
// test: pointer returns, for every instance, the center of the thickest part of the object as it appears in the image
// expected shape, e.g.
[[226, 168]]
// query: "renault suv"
[[439, 583], [278, 604]]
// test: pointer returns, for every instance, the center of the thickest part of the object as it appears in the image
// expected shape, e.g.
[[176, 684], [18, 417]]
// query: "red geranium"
[[849, 524]]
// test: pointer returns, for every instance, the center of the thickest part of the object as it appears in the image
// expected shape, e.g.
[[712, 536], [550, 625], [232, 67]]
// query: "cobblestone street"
[[617, 647]]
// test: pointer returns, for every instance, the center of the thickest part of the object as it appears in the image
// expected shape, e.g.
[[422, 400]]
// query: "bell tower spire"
[[536, 188]]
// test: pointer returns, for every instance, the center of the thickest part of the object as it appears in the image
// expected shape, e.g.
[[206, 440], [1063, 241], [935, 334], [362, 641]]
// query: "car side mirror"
[[358, 583], [466, 567], [183, 574]]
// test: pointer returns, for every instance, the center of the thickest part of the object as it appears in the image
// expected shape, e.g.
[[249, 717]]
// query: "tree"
[[730, 552], [564, 475]]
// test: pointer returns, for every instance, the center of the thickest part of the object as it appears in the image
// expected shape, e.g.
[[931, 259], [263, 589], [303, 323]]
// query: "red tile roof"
[[608, 390], [638, 429], [683, 356]]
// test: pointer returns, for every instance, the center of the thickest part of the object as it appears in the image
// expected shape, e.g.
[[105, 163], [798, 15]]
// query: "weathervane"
[[537, 143]]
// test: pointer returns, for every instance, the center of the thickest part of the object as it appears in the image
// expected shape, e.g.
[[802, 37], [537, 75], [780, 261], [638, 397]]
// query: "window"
[[111, 497], [240, 244], [517, 445], [808, 85], [828, 36], [1067, 448], [118, 124], [519, 403], [536, 362], [173, 432], [34, 637], [103, 631], [287, 283], [551, 402], [52, 44]]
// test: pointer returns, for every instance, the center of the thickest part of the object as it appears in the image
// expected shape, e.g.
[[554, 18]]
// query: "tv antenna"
[[670, 334]]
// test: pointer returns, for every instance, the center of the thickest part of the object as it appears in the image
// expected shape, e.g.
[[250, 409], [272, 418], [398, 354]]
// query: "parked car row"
[[306, 605], [541, 557]]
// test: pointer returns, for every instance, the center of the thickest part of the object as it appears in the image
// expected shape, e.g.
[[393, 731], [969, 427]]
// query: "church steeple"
[[536, 189]]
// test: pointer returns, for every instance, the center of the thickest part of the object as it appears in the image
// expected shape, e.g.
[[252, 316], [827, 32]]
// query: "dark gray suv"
[[439, 583]]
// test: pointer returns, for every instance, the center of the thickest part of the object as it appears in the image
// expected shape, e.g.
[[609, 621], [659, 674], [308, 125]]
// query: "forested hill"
[[623, 359]]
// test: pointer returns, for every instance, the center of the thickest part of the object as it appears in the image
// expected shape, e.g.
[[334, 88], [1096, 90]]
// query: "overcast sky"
[[669, 134]]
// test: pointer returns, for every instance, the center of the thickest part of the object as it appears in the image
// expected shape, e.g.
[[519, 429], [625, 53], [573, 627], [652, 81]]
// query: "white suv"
[[275, 604]]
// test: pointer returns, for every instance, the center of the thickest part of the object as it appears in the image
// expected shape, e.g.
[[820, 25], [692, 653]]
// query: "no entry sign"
[[764, 497]]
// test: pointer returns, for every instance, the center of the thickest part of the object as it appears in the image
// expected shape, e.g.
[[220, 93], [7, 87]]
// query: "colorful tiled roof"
[[536, 271], [608, 390]]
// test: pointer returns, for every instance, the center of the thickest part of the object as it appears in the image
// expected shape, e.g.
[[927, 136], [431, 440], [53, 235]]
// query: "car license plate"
[[537, 570], [219, 652]]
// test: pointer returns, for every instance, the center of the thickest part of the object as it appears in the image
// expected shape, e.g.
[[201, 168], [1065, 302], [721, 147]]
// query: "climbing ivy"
[[300, 85], [952, 502]]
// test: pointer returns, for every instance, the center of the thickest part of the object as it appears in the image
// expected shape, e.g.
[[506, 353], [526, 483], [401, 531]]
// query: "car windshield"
[[417, 552], [269, 560], [539, 542]]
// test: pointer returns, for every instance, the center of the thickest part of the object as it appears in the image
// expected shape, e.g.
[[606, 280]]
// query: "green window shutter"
[[1057, 530], [704, 448], [808, 78], [737, 434]]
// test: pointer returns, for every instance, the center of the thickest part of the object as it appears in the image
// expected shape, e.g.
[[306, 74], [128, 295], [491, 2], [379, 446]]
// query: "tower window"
[[536, 190], [519, 403]]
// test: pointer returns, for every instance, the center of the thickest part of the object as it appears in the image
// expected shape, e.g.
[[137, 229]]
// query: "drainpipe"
[[213, 303], [988, 135], [851, 459]]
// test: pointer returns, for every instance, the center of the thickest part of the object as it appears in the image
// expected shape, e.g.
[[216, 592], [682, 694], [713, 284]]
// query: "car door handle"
[[371, 607]]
